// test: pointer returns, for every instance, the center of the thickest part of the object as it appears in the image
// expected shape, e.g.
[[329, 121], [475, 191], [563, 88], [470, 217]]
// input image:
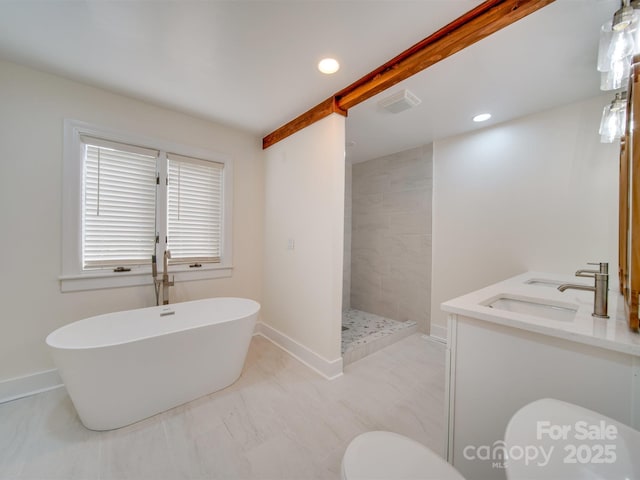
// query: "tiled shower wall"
[[346, 279], [391, 236]]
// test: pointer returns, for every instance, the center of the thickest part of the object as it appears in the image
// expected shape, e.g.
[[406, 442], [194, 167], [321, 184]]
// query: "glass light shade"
[[615, 51], [617, 77], [618, 44], [613, 120], [622, 45], [604, 62]]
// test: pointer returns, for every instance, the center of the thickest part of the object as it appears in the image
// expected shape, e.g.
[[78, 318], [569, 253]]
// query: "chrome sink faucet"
[[165, 278], [604, 268], [600, 289]]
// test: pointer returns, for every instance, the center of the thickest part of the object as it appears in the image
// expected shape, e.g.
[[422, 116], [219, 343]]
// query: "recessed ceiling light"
[[328, 65], [483, 117]]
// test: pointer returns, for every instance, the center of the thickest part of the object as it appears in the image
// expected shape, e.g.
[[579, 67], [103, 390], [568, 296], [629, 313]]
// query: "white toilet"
[[386, 455]]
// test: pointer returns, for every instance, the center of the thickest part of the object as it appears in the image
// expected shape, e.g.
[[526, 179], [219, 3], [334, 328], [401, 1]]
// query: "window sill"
[[102, 280]]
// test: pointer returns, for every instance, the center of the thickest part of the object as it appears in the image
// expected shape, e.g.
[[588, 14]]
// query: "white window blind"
[[119, 204], [194, 209]]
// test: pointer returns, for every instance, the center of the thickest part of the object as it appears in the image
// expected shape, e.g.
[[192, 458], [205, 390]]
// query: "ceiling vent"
[[399, 101]]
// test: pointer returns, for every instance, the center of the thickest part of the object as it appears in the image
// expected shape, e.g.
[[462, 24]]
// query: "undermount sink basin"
[[566, 441], [543, 282], [562, 312]]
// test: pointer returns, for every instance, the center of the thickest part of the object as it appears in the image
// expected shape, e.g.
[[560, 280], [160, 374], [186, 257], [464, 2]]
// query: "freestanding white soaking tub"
[[123, 367]]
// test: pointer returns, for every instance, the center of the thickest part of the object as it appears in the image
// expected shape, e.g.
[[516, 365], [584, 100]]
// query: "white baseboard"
[[329, 369], [20, 387], [439, 333]]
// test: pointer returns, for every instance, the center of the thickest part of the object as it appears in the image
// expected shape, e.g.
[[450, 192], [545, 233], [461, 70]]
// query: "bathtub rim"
[[48, 340]]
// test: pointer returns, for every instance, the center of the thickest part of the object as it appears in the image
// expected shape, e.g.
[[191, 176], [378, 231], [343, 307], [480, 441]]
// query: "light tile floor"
[[280, 420]]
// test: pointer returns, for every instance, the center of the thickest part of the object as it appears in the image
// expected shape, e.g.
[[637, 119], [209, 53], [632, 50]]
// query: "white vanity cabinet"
[[498, 362]]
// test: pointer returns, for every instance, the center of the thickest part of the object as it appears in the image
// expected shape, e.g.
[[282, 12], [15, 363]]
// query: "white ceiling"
[[252, 64], [544, 60]]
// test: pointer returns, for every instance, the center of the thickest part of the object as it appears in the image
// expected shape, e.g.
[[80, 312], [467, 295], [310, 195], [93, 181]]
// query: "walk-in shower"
[[387, 256]]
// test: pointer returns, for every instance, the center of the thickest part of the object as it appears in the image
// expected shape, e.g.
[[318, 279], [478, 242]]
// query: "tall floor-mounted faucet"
[[154, 274], [600, 289], [165, 278]]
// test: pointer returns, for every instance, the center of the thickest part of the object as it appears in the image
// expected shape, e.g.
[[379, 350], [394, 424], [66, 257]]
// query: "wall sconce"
[[618, 44], [614, 118]]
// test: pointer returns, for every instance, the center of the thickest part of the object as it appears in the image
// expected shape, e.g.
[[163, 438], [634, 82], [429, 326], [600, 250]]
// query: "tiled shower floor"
[[366, 333]]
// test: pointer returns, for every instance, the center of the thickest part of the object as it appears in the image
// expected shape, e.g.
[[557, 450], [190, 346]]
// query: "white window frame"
[[74, 277]]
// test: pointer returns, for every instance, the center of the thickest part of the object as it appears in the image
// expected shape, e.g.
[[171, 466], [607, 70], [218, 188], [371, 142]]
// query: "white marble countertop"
[[612, 333]]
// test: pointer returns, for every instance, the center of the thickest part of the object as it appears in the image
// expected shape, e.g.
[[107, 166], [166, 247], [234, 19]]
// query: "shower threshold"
[[364, 333]]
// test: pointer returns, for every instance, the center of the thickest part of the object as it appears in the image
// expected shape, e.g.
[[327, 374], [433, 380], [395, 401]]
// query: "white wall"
[[34, 105], [536, 193], [304, 201]]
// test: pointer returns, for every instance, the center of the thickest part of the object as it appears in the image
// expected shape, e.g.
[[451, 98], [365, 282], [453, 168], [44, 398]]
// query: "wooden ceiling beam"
[[484, 20], [318, 112], [479, 23]]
